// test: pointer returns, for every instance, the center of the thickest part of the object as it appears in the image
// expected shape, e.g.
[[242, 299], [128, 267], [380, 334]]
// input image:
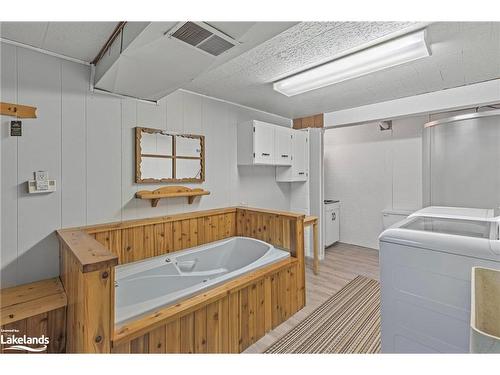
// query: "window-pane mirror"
[[168, 157]]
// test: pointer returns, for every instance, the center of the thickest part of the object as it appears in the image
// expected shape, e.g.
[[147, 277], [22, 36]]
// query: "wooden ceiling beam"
[[110, 41], [314, 121]]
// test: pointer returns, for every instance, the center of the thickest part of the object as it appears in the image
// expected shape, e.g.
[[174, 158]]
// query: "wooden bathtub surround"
[[227, 318], [170, 192], [243, 292], [90, 294], [89, 255], [36, 309]]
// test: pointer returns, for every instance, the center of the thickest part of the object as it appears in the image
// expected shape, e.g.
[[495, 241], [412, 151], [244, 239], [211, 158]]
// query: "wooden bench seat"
[[36, 309]]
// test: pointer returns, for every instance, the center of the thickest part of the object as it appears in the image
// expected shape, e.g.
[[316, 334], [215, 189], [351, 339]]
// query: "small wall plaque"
[[16, 129]]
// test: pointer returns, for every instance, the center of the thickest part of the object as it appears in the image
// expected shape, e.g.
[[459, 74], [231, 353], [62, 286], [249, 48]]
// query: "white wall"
[[86, 142], [463, 162], [369, 170]]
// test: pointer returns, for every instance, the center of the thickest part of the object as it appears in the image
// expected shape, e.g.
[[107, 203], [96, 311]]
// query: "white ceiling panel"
[[462, 53], [31, 33], [154, 64], [79, 40]]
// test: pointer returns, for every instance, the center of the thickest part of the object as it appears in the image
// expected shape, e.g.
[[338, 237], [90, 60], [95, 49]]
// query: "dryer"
[[425, 272]]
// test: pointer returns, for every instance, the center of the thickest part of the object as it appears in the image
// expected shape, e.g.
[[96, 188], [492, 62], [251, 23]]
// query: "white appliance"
[[332, 220], [393, 216], [425, 271]]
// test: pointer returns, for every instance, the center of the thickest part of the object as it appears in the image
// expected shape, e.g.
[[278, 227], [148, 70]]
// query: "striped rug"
[[348, 322]]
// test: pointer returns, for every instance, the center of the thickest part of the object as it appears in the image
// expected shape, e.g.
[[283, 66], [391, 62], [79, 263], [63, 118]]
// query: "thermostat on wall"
[[41, 183]]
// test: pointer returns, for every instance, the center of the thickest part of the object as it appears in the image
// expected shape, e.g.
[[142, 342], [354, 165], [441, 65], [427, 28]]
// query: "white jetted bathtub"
[[163, 280]]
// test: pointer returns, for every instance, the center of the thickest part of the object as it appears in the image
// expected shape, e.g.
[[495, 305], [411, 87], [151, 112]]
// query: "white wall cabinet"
[[299, 169], [283, 145], [261, 143]]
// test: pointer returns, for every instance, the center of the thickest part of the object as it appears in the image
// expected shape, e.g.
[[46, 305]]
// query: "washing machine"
[[425, 272]]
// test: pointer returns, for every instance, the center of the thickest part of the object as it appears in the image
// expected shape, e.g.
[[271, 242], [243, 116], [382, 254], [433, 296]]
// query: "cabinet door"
[[300, 155], [335, 224], [328, 225], [283, 145], [263, 143]]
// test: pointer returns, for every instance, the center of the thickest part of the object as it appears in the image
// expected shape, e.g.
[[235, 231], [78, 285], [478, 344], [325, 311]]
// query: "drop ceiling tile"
[[80, 40], [31, 33]]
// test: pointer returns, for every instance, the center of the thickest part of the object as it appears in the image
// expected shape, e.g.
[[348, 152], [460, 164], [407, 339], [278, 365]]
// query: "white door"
[[300, 153], [283, 145], [263, 143]]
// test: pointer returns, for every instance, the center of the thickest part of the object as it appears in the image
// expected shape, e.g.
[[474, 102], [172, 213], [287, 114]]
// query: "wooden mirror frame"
[[174, 157]]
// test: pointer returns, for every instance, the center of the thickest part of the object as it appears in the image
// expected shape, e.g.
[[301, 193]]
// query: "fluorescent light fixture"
[[394, 52]]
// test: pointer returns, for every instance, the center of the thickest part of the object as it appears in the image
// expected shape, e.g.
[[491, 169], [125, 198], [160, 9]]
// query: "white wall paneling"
[[369, 170], [39, 84], [9, 170], [73, 144], [86, 142]]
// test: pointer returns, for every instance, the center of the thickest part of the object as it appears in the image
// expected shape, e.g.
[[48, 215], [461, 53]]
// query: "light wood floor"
[[342, 263]]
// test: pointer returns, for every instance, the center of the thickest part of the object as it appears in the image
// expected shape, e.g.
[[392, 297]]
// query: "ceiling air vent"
[[191, 33], [215, 45], [203, 37]]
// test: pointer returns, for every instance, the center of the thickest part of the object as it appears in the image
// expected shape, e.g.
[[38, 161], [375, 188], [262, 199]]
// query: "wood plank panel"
[[260, 310], [187, 334], [252, 312], [193, 232], [56, 330], [157, 340], [177, 235], [97, 318], [37, 325], [224, 321], [200, 330], [161, 245], [268, 310], [234, 322], [244, 341], [132, 244], [173, 333], [185, 239], [140, 345], [141, 242], [213, 327]]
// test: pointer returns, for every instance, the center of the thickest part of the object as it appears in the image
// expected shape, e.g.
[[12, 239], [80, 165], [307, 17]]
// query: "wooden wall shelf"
[[17, 110], [170, 192]]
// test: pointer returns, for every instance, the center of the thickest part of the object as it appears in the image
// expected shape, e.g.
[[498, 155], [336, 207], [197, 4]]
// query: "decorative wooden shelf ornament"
[[17, 110], [170, 192]]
